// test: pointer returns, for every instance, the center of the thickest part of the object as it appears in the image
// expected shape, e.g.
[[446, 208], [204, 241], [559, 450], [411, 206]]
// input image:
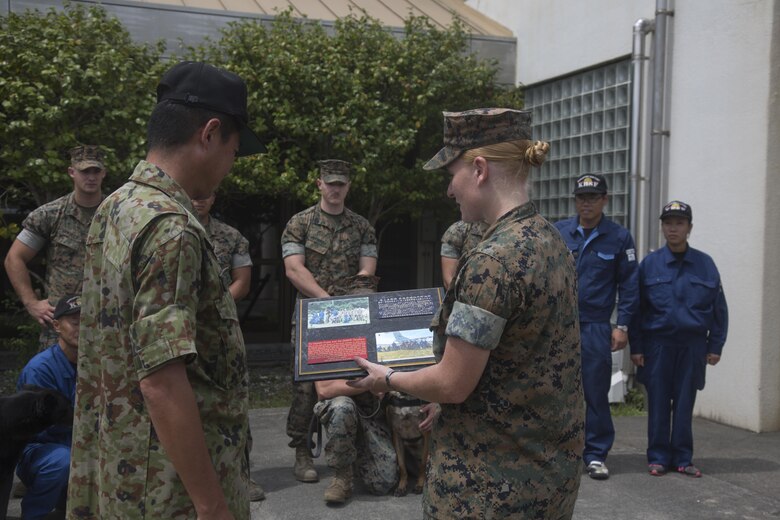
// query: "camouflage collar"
[[150, 175], [79, 212], [513, 215]]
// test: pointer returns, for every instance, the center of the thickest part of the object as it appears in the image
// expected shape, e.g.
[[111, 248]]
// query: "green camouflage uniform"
[[513, 447], [355, 438], [332, 248], [62, 225], [230, 247], [153, 295], [461, 237]]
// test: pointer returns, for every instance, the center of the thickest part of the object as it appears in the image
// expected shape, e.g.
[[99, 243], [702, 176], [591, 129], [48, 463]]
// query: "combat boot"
[[340, 488], [256, 492], [304, 467]]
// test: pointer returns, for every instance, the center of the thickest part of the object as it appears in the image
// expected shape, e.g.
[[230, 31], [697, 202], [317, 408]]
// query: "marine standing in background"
[[61, 227], [161, 422], [322, 246], [231, 248], [459, 238], [235, 269], [606, 266], [680, 328]]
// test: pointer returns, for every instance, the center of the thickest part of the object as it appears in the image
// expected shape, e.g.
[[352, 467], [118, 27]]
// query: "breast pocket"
[[68, 248], [658, 292], [701, 293], [603, 261]]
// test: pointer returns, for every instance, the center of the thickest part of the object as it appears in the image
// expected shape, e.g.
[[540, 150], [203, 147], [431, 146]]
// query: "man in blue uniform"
[[606, 265], [679, 328], [45, 461]]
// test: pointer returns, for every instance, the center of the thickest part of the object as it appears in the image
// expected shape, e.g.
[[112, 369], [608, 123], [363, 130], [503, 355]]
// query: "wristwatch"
[[624, 328]]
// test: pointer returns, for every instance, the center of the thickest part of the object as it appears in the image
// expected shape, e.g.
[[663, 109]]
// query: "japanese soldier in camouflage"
[[508, 443], [323, 246], [60, 227], [160, 426]]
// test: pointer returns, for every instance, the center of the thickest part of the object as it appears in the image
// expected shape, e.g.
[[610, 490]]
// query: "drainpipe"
[[659, 134], [642, 27]]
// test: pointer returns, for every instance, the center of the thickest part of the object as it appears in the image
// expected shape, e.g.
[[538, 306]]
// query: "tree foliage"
[[70, 77], [356, 93]]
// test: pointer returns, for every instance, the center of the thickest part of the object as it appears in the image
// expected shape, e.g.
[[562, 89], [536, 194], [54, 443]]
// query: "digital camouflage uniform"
[[230, 247], [153, 294], [461, 237], [332, 248], [62, 225], [362, 442], [513, 447]]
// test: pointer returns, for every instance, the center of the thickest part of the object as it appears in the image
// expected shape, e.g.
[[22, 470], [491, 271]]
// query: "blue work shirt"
[[606, 266], [51, 369], [680, 302]]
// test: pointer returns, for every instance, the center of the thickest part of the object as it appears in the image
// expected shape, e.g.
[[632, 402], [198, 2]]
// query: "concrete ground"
[[741, 480]]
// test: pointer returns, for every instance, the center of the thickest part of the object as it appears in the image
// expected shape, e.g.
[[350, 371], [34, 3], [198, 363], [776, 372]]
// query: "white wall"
[[718, 163], [724, 156], [557, 37]]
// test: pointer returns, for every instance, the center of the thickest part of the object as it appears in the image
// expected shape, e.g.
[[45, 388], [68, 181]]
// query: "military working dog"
[[22, 416], [404, 416]]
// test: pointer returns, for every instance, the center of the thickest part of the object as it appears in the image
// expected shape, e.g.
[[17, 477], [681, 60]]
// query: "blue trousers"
[[44, 470], [670, 377], [596, 377]]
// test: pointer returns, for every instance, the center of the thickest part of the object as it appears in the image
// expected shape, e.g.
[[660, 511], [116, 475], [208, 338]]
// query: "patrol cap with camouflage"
[[334, 170], [590, 183], [198, 84], [479, 127], [677, 208], [87, 156], [68, 304]]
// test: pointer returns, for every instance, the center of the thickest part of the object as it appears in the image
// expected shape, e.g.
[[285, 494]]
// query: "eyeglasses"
[[588, 197]]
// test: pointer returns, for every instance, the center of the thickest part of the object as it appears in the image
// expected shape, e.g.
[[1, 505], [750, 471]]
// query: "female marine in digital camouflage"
[[510, 436]]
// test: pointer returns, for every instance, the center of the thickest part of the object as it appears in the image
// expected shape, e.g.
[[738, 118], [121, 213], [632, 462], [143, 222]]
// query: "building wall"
[[558, 37], [721, 161], [724, 123]]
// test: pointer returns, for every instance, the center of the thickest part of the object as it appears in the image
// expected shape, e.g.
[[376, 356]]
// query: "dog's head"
[[403, 414], [32, 410]]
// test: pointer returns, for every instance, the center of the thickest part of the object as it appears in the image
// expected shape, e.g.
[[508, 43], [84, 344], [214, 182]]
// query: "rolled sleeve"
[[449, 251], [475, 325], [369, 250], [291, 249], [240, 260], [31, 240], [154, 345]]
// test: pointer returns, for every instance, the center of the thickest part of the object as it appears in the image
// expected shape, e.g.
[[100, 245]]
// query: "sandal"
[[690, 470], [656, 470]]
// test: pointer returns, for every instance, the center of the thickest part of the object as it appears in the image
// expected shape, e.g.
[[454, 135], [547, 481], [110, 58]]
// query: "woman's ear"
[[481, 169]]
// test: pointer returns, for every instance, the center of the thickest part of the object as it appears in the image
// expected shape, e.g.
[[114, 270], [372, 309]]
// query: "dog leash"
[[315, 428]]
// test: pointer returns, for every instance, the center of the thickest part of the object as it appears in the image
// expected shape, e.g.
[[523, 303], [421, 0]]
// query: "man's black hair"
[[172, 124]]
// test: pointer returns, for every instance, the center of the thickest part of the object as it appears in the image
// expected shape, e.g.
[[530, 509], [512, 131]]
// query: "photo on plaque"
[[391, 328], [338, 313], [404, 344]]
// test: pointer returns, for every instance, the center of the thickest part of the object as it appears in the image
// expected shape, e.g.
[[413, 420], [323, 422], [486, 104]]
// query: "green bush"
[[356, 93], [70, 77]]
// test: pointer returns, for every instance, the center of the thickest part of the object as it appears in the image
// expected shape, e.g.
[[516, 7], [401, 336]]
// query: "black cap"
[[68, 304], [677, 208], [590, 183], [198, 84]]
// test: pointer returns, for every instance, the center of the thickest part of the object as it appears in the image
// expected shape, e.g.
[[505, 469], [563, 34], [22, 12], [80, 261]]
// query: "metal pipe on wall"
[[659, 133], [642, 27]]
